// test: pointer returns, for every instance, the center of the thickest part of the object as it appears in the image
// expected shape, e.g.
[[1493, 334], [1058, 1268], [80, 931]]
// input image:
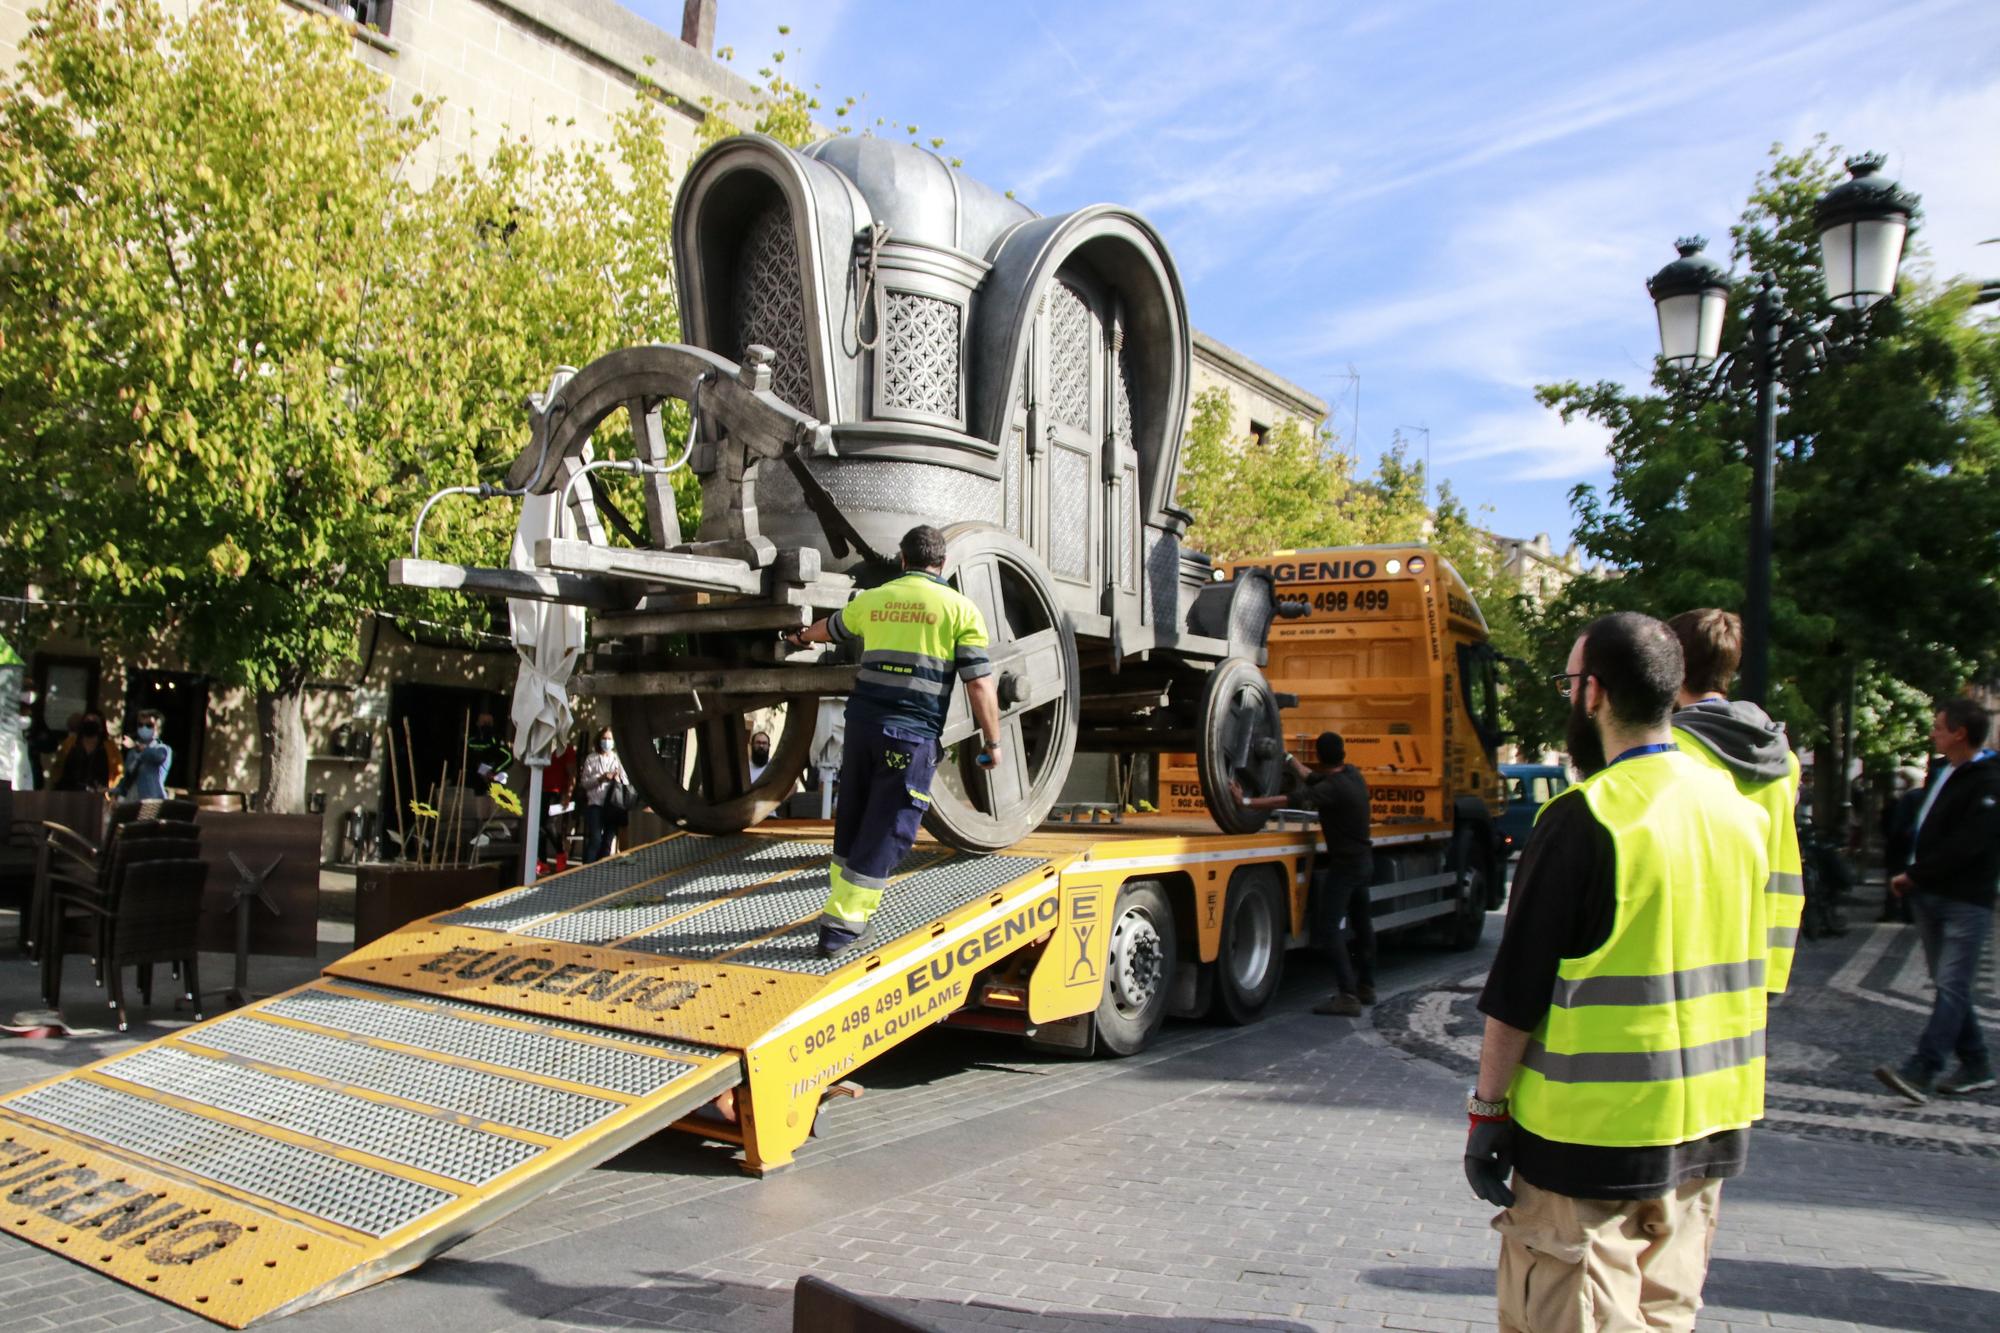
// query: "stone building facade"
[[559, 71]]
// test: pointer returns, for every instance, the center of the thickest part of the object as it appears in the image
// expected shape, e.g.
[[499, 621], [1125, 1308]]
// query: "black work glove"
[[1489, 1160]]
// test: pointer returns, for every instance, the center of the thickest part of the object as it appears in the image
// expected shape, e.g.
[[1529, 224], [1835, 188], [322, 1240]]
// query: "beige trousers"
[[1605, 1266]]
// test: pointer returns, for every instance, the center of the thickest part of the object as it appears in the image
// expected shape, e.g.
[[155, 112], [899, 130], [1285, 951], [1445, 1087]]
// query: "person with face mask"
[[601, 770], [146, 764], [1623, 1060]]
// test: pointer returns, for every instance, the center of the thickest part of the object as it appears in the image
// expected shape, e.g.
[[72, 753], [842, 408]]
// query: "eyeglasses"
[[1566, 681]]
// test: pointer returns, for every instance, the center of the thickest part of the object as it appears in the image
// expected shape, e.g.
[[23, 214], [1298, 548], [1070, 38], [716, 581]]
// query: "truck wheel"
[[1252, 958], [1138, 969], [1468, 923]]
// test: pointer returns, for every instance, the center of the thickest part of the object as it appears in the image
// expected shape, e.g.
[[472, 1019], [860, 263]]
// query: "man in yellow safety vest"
[[916, 633], [1623, 1060], [1740, 738]]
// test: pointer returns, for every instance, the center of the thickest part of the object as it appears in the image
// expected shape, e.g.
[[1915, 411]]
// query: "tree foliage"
[[1887, 512], [237, 348]]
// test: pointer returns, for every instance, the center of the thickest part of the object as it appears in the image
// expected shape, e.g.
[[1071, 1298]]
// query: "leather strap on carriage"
[[841, 536]]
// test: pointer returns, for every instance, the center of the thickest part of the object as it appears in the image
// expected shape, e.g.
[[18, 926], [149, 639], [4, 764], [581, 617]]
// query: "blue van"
[[1529, 787]]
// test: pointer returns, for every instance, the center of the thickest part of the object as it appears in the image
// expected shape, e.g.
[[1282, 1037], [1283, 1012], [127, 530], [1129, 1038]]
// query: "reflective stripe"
[[879, 655], [975, 670], [1644, 1066], [897, 681], [920, 797], [1787, 882], [1664, 988], [859, 880], [1782, 937]]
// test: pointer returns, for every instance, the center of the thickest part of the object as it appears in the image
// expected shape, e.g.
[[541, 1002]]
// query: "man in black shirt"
[[1619, 996], [1340, 794]]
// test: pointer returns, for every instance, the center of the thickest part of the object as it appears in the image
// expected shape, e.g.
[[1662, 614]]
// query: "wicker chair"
[[147, 911]]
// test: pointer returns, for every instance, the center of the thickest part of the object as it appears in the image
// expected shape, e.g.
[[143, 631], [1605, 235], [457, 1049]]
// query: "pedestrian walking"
[[1740, 738], [1953, 870], [1342, 917], [147, 763], [601, 772], [916, 633], [1623, 1060]]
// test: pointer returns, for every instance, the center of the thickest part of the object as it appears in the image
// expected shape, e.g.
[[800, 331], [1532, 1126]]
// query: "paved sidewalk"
[[1299, 1174]]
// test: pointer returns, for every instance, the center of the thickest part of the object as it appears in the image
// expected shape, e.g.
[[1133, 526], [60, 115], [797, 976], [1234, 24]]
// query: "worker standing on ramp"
[[915, 632]]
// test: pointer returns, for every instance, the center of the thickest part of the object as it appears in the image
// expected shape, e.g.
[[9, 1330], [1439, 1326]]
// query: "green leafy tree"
[[1887, 515], [236, 349]]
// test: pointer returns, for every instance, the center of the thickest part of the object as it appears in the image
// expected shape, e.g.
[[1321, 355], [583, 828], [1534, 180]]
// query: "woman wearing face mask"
[[600, 771], [146, 766]]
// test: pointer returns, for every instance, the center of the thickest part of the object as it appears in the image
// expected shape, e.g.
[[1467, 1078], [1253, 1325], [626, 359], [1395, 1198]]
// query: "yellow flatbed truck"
[[448, 1073], [1391, 650]]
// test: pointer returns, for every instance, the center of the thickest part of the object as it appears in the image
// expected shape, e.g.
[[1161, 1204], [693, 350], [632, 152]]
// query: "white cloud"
[[1527, 444]]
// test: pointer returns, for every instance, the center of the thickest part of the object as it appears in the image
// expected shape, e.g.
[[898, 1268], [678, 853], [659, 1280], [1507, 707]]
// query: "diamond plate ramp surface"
[[325, 1139]]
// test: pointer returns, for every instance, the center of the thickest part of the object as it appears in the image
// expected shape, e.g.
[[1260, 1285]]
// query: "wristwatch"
[[1474, 1105]]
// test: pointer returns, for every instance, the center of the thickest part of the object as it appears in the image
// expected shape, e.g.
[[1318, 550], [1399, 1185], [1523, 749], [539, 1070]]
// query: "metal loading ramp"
[[445, 1075]]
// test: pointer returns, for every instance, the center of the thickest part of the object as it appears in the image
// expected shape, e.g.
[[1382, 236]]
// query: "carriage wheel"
[[1240, 740], [690, 757], [1034, 663]]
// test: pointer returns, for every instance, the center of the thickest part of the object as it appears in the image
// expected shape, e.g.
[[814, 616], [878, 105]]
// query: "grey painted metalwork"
[[515, 1103], [317, 1183], [1070, 494], [910, 904], [515, 911], [923, 354], [428, 1142], [546, 1053], [770, 304]]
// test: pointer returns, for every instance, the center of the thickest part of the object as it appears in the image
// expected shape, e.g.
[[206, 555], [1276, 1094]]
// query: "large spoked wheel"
[[1240, 740], [1252, 962], [690, 757], [1138, 970], [1033, 650]]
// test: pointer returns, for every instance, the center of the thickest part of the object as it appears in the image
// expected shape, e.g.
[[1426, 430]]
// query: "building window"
[[1259, 434]]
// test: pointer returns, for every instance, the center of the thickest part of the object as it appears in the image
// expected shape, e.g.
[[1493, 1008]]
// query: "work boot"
[[1909, 1083], [837, 940], [1341, 1005], [1969, 1078], [1365, 993]]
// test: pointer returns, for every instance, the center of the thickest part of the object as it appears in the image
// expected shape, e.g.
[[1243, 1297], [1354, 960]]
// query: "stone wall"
[[1258, 398]]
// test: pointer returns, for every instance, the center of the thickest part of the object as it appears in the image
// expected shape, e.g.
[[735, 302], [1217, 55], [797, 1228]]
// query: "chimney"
[[698, 25]]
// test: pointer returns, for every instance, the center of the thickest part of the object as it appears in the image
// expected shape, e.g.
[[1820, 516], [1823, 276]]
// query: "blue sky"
[[1449, 202]]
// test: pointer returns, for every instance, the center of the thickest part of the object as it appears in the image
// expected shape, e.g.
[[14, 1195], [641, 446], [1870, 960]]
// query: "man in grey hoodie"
[[1739, 738]]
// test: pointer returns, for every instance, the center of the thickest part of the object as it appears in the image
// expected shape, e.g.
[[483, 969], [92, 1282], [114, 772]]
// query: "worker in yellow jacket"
[[917, 635]]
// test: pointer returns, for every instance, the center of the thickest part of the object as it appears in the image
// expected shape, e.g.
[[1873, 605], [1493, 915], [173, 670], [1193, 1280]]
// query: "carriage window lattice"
[[1011, 466], [1128, 480], [770, 304], [1069, 357], [1128, 525], [1070, 497], [921, 356]]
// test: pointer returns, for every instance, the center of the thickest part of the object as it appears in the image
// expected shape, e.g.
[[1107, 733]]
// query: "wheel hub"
[[1137, 960], [1251, 944]]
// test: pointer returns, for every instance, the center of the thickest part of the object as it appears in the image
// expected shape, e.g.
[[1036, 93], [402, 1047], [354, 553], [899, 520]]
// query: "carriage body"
[[874, 341]]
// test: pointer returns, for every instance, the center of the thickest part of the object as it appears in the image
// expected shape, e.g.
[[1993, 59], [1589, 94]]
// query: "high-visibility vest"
[[1658, 1036], [917, 633], [1786, 887]]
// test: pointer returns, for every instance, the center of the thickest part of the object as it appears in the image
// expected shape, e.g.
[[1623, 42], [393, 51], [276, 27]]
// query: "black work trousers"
[[1343, 923]]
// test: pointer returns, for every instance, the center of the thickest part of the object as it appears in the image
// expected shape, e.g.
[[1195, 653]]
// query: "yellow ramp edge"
[[324, 1139]]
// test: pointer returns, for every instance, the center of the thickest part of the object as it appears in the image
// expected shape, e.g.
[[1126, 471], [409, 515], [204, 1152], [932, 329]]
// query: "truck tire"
[[1251, 961], [1138, 969], [1464, 927]]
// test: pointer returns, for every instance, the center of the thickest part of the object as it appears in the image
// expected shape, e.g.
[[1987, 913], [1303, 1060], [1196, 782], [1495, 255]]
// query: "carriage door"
[[1070, 403]]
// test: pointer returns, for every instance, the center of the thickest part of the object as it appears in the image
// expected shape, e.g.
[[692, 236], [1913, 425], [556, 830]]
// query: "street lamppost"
[[1862, 223]]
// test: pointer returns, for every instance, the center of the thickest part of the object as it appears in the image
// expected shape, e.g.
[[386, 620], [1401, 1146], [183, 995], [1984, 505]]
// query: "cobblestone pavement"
[[1299, 1174]]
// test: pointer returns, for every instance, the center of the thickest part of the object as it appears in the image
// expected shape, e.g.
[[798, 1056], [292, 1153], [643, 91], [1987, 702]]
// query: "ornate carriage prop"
[[878, 341]]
